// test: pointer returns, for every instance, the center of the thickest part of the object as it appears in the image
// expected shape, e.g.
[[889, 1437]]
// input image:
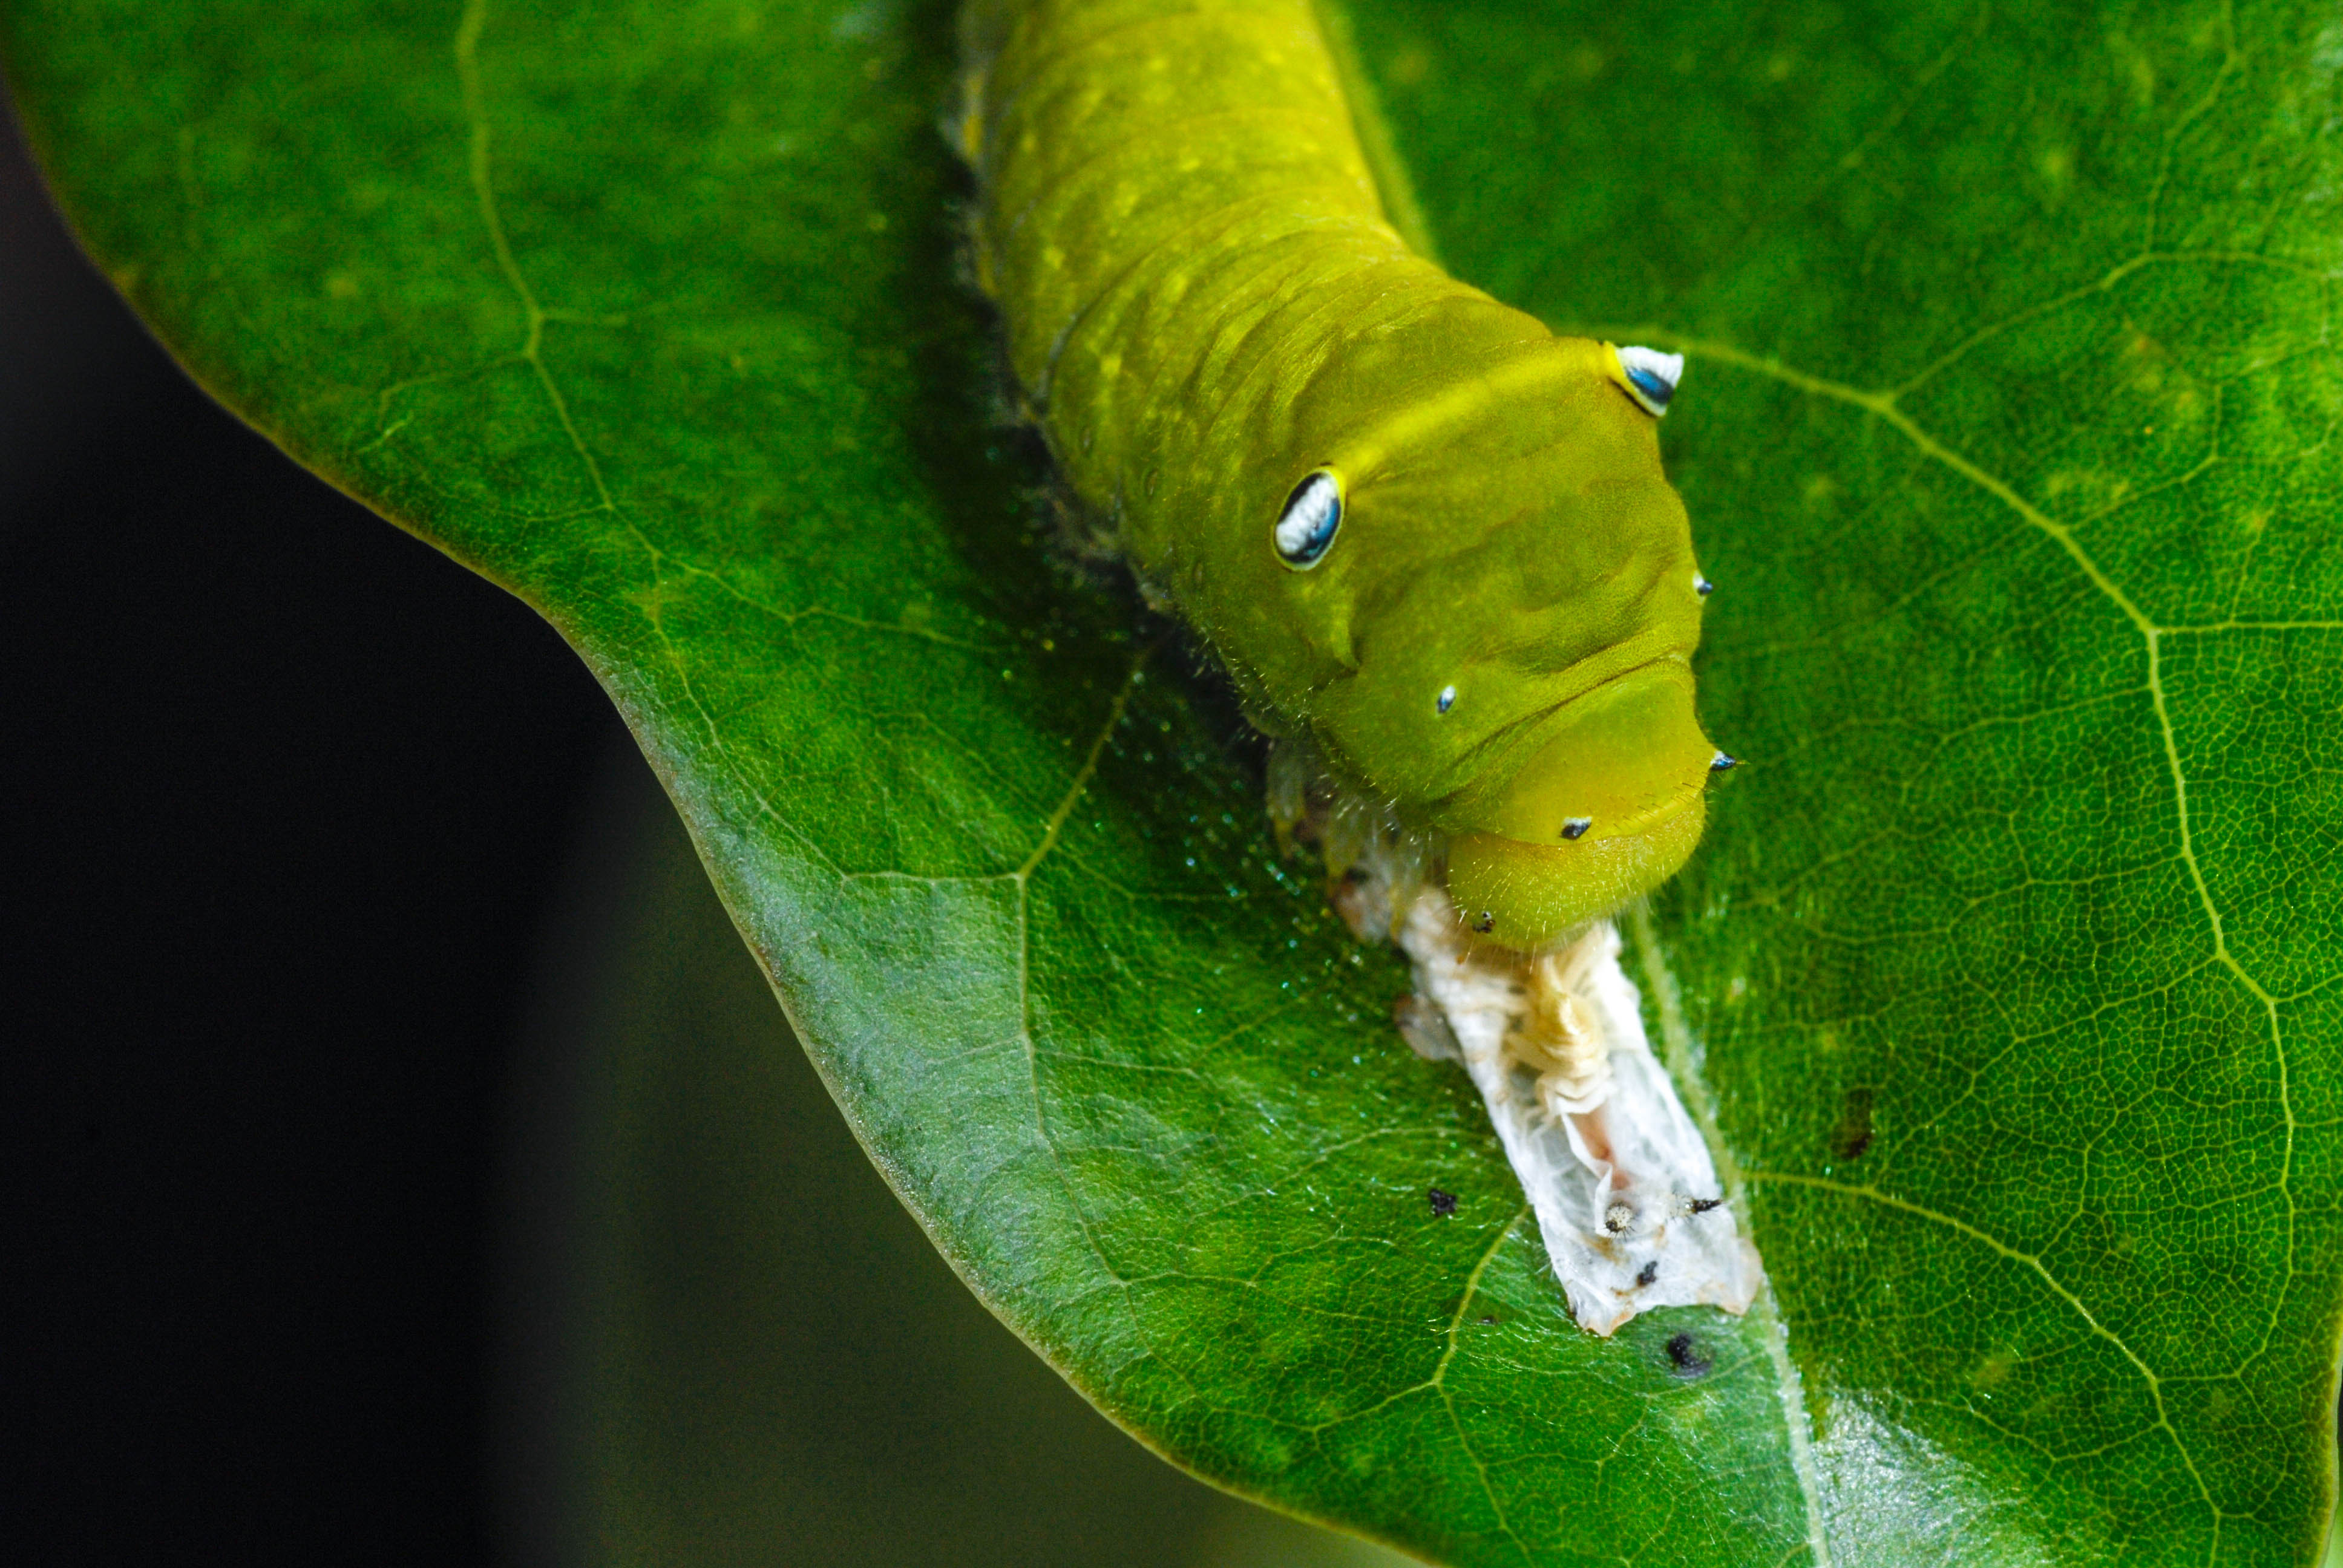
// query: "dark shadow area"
[[285, 793]]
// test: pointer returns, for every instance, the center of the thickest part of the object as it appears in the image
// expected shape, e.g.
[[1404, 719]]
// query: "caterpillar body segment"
[[1430, 541]]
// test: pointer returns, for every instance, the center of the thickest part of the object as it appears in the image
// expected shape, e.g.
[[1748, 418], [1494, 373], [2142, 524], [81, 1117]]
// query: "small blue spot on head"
[[1305, 529], [1650, 377], [1721, 763], [1576, 828]]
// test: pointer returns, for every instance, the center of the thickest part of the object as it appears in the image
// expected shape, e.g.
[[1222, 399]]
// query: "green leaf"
[[2007, 969], [766, 1363]]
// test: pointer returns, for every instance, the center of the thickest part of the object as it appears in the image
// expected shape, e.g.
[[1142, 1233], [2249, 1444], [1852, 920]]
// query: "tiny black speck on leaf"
[[1648, 1273], [1689, 1361], [1488, 1319], [1443, 1203]]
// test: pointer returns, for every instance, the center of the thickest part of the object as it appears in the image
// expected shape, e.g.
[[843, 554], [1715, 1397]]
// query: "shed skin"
[[1204, 303]]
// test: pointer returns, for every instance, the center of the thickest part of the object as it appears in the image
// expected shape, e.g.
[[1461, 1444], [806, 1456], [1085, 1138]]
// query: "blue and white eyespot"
[[1447, 698], [1650, 377], [1305, 528]]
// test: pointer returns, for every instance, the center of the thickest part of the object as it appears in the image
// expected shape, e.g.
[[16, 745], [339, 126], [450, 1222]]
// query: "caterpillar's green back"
[[1423, 534]]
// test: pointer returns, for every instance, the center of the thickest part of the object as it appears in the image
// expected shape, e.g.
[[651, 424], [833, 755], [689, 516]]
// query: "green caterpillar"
[[1430, 541]]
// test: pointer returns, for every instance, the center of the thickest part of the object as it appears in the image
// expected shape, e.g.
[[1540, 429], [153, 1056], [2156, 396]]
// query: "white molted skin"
[[1626, 1196], [1610, 1160]]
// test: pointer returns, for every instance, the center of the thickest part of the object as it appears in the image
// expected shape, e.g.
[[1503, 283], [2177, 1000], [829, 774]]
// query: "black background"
[[286, 793]]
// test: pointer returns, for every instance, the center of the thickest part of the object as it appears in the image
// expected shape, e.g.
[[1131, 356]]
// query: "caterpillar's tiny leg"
[[1289, 789], [1375, 865]]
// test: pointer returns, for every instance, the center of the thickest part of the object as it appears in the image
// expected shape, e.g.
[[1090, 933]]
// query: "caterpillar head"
[[1502, 582]]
